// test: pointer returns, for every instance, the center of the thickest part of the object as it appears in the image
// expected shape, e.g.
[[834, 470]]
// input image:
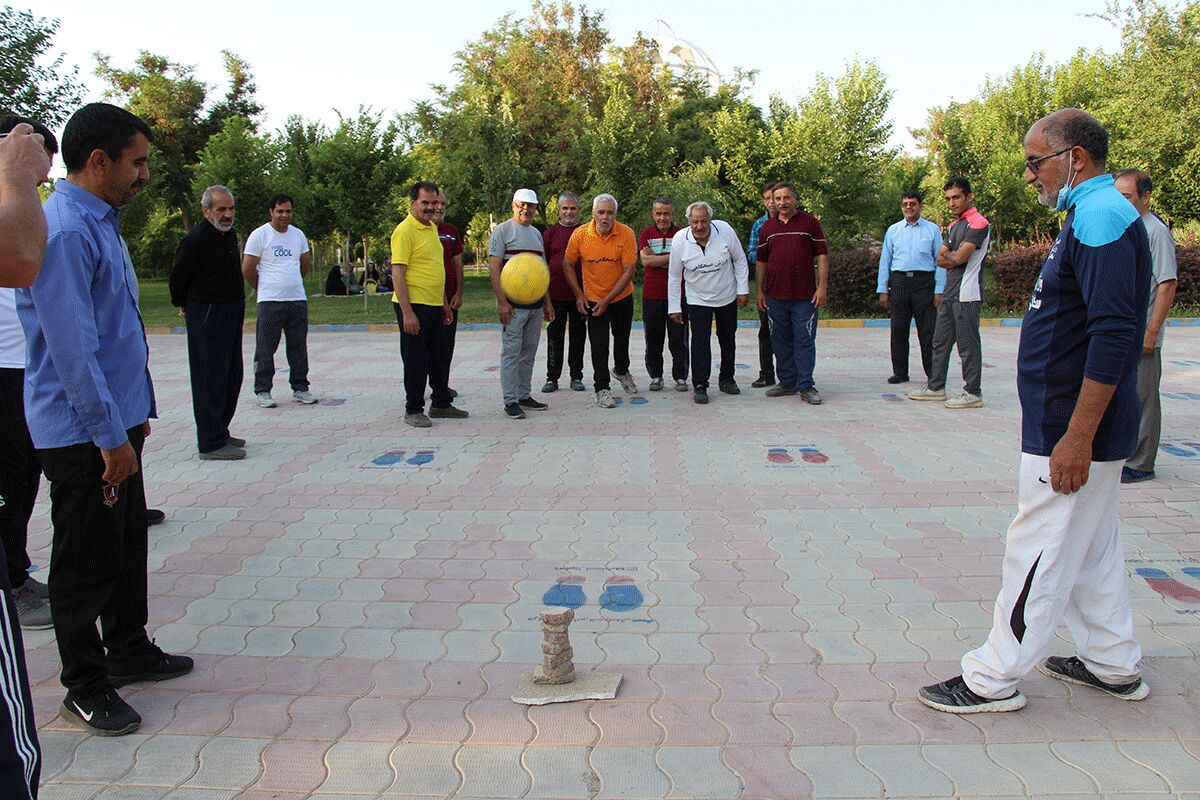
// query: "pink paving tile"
[[766, 772], [938, 728], [875, 722], [290, 765], [321, 718], [437, 720], [713, 570], [624, 724], [887, 568], [405, 590], [462, 569], [563, 724], [721, 593], [751, 723], [776, 619], [813, 723], [434, 550], [688, 724], [947, 589], [785, 647], [239, 674], [455, 680], [493, 591], [449, 590], [732, 648], [203, 713], [195, 585], [762, 569], [434, 616], [260, 715], [855, 682], [380, 567], [349, 676], [499, 722], [291, 674], [502, 678], [157, 705], [376, 719], [726, 619], [743, 683], [684, 683], [800, 682]]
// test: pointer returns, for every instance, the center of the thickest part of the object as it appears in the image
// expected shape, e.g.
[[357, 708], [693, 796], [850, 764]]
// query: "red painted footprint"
[[779, 455], [813, 456], [1160, 581]]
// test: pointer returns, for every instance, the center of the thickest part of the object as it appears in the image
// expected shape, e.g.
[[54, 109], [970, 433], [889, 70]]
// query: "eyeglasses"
[[1035, 164]]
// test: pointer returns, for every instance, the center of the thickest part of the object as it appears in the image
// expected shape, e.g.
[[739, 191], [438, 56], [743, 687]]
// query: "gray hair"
[[568, 196], [699, 204], [662, 201], [207, 195], [600, 198]]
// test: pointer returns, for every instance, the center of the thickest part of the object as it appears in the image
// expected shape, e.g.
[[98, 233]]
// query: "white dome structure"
[[680, 54]]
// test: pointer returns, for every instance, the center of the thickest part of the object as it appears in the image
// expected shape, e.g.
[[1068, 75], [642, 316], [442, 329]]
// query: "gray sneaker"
[[965, 400], [417, 420], [37, 587], [265, 400], [228, 452], [304, 396], [925, 393], [33, 611], [549, 386], [577, 385], [626, 381], [811, 396], [447, 412], [656, 384], [604, 399], [681, 386]]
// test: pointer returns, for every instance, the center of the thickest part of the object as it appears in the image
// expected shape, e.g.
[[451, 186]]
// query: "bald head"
[[1073, 127]]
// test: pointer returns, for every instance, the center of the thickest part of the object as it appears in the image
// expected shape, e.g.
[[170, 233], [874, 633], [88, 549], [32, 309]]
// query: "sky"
[[312, 58]]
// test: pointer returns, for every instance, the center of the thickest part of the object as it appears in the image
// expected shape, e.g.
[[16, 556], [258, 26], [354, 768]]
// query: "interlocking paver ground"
[[774, 580]]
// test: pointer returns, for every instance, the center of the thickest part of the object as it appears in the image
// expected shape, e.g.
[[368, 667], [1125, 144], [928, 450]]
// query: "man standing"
[[1136, 186], [788, 292], [655, 243], [275, 263], [766, 355], [522, 321], [20, 473], [566, 315], [961, 255], [452, 252], [607, 253], [708, 258], [88, 402], [911, 283], [422, 310], [1077, 381], [206, 283]]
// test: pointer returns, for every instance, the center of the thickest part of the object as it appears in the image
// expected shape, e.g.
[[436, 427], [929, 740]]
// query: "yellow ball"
[[525, 278]]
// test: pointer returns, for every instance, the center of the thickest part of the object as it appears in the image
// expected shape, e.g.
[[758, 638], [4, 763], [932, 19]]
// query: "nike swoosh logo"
[[1041, 479], [86, 717]]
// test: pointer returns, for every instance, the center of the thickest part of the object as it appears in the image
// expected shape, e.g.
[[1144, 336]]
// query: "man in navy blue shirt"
[[88, 403], [1077, 380]]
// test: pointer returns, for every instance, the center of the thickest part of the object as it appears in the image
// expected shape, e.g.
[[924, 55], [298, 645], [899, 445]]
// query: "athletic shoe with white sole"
[[304, 396], [103, 713], [1072, 670], [604, 399], [32, 611], [965, 400], [656, 384], [955, 697], [925, 393], [265, 400], [626, 381]]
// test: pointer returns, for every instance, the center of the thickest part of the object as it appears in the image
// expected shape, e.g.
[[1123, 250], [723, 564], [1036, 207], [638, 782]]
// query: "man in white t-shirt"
[[274, 263]]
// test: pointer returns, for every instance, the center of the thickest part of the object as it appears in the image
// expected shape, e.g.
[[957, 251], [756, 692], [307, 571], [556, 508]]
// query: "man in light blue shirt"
[[911, 283], [88, 402]]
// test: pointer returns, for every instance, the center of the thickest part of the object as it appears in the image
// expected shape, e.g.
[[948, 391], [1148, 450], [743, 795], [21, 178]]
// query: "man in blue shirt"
[[911, 283], [1077, 380], [88, 402], [766, 353]]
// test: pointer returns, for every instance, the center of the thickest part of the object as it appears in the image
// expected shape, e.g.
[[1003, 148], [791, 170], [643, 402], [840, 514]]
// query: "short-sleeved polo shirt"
[[603, 258], [451, 246], [417, 246], [789, 249], [654, 279]]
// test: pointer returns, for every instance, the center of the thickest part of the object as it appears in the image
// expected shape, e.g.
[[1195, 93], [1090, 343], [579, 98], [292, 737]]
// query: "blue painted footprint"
[[621, 594], [1193, 572], [638, 401], [388, 458], [1176, 450], [566, 591], [422, 457]]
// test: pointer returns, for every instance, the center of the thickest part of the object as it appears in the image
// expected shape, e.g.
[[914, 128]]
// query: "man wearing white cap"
[[522, 321]]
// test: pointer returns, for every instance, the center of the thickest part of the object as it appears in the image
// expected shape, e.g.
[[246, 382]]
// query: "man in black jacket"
[[206, 283]]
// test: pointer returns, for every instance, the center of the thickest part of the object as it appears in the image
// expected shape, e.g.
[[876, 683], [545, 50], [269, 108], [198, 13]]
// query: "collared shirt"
[[789, 249], [654, 279], [603, 259], [965, 283], [555, 241], [208, 267], [416, 246], [715, 273], [1087, 319], [87, 377], [1162, 260], [911, 248], [451, 248], [752, 245]]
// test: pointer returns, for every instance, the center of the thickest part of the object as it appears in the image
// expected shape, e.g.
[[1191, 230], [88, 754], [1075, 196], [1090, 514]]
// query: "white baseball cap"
[[525, 196]]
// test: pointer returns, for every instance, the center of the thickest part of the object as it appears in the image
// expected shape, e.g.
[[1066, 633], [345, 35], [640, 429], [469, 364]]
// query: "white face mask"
[[1060, 204]]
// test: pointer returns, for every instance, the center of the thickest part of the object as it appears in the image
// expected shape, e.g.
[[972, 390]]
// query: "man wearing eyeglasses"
[[1077, 363]]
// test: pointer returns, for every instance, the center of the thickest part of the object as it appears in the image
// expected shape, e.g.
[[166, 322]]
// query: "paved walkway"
[[773, 580]]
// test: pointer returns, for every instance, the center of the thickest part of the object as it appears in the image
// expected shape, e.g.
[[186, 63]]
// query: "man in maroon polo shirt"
[[452, 253], [788, 291], [566, 314], [654, 248]]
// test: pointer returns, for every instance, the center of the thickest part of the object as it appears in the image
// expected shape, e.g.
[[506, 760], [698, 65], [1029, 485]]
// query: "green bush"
[[852, 279], [1017, 268]]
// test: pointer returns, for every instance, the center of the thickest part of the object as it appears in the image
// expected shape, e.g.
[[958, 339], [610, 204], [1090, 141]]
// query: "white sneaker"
[[265, 400], [604, 399], [304, 396], [925, 393], [626, 382], [965, 400]]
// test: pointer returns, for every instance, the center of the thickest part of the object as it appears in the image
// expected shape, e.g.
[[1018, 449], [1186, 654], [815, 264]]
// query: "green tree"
[[242, 160], [45, 92], [629, 147]]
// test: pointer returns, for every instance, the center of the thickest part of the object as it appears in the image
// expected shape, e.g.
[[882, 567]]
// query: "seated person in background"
[[334, 285]]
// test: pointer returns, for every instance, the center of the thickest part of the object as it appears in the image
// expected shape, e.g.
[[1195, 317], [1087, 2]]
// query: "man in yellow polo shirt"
[[422, 311], [607, 252]]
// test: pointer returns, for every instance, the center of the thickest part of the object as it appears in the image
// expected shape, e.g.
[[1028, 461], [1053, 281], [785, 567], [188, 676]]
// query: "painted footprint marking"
[[422, 457], [779, 455], [388, 458], [813, 456], [566, 591], [620, 594], [638, 401], [892, 398], [1160, 581]]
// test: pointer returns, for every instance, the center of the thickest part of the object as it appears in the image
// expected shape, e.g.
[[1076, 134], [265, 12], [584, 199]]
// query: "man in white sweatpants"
[[1077, 380]]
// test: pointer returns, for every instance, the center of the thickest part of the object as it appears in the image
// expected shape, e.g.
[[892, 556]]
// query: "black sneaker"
[[729, 387], [955, 697], [549, 386], [762, 382], [577, 385], [154, 516], [700, 396], [447, 412], [155, 665], [780, 391], [104, 713], [514, 411], [894, 379], [1072, 670], [532, 404]]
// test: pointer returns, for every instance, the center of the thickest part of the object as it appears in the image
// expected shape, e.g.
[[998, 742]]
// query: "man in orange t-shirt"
[[607, 252]]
